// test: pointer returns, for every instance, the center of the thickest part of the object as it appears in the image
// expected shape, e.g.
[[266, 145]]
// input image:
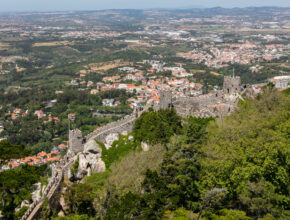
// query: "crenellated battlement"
[[231, 85]]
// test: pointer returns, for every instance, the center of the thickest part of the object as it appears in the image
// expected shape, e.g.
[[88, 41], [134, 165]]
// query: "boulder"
[[145, 146], [62, 202], [90, 161], [70, 176], [109, 140], [82, 169], [125, 133], [36, 193], [23, 204], [98, 166], [61, 213], [92, 147], [95, 162], [83, 162]]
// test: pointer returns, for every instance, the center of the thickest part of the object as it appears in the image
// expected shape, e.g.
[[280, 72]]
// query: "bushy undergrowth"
[[237, 168]]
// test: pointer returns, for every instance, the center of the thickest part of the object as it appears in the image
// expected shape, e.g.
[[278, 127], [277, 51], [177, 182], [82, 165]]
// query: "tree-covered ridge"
[[235, 168], [238, 168], [248, 153]]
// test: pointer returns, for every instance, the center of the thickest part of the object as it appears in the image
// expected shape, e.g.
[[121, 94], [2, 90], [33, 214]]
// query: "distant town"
[[65, 70]]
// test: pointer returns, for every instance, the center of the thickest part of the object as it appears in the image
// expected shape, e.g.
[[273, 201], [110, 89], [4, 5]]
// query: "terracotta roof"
[[53, 158], [42, 154]]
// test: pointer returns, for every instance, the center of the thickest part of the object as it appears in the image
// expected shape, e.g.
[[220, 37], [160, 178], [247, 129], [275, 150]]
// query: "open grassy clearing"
[[51, 44], [93, 67], [197, 71], [214, 73]]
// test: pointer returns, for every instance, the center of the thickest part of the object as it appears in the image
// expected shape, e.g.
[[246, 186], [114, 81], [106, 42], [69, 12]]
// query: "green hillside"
[[237, 168]]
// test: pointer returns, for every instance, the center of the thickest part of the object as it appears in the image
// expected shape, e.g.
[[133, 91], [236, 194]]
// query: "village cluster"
[[221, 55], [145, 84], [39, 159], [167, 45]]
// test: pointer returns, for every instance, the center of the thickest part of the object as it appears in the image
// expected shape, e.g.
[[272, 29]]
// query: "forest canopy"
[[236, 168]]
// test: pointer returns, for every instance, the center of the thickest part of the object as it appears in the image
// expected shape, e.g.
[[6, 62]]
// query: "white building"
[[281, 82]]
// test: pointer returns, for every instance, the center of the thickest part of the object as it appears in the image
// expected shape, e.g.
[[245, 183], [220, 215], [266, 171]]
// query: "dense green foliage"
[[237, 168], [195, 129], [249, 155], [10, 151], [174, 185], [118, 149], [16, 186], [80, 199], [41, 134], [157, 127]]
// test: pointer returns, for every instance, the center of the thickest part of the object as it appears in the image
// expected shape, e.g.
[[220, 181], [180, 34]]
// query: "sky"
[[68, 5]]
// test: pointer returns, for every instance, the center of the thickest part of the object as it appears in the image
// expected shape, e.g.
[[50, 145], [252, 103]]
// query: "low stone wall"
[[116, 127], [125, 124]]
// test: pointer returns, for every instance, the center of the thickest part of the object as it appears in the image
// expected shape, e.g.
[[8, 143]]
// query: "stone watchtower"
[[75, 141], [232, 84], [165, 99]]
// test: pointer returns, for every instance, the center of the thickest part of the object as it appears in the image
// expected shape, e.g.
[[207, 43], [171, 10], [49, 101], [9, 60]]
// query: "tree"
[[157, 126], [80, 199], [195, 129], [10, 151]]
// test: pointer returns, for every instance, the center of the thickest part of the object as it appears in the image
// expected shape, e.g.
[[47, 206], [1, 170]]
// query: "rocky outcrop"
[[24, 203], [62, 203], [124, 133], [145, 146], [90, 161], [37, 193], [109, 140]]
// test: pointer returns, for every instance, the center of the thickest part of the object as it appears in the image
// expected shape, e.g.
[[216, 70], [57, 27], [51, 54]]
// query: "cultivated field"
[[93, 67], [51, 44], [197, 71], [215, 73]]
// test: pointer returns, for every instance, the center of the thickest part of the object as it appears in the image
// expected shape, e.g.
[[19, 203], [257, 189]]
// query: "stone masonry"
[[214, 104], [231, 85], [75, 141], [165, 99]]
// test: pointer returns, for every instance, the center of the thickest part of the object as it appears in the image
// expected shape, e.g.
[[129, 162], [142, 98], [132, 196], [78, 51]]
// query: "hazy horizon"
[[76, 5]]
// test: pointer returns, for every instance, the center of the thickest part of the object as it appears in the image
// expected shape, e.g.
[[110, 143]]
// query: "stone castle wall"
[[75, 140], [214, 104], [51, 190], [231, 85], [101, 133], [125, 124], [165, 99]]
